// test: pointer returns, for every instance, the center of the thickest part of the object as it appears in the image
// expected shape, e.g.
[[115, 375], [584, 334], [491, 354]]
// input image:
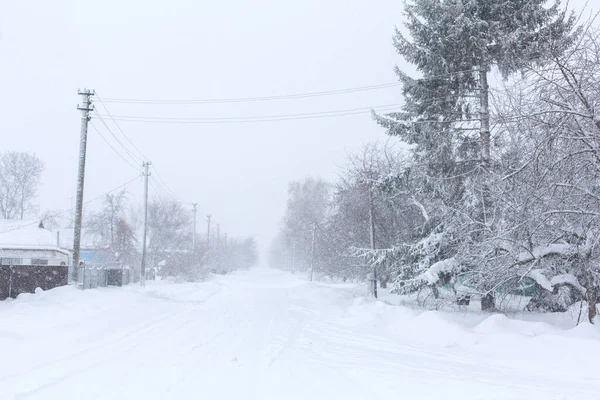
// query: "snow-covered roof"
[[88, 240], [25, 234]]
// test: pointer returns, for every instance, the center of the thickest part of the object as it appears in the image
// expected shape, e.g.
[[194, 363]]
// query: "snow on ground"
[[265, 334]]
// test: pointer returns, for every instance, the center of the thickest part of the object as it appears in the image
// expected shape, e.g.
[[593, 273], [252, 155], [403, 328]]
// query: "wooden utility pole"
[[195, 205], [372, 240], [312, 252], [293, 256], [208, 217], [85, 109], [146, 174]]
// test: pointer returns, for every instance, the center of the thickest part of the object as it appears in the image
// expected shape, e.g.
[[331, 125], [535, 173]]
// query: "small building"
[[30, 258], [91, 251], [95, 259]]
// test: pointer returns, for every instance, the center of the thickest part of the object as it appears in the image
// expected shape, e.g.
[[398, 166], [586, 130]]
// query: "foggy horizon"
[[186, 50]]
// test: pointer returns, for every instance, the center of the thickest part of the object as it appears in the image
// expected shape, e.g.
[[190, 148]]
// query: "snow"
[[88, 239], [567, 279], [546, 250], [422, 208], [538, 276], [265, 334], [19, 233], [432, 275], [561, 279]]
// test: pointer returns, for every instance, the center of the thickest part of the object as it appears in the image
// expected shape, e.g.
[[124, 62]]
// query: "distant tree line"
[[116, 227], [20, 175], [170, 252]]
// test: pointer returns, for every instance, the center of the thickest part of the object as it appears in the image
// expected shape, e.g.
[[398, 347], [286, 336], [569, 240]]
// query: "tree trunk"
[[436, 292], [484, 115], [383, 281], [22, 207], [485, 138], [488, 302], [463, 300], [592, 300]]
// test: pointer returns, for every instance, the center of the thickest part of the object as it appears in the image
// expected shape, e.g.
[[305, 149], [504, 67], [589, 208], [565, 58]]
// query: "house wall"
[[32, 256]]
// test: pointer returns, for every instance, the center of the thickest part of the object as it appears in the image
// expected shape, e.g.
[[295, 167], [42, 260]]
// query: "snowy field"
[[265, 334]]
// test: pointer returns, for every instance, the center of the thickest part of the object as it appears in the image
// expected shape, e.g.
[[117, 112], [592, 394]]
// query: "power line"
[[71, 209], [125, 148], [129, 152], [269, 118], [119, 127], [281, 97], [363, 109], [164, 189], [112, 147], [134, 146], [255, 98], [167, 187], [161, 191]]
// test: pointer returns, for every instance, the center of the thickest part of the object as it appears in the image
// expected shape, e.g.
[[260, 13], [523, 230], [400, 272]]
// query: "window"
[[39, 261], [11, 261]]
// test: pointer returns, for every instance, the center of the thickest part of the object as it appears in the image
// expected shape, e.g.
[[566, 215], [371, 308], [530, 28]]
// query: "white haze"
[[185, 49]]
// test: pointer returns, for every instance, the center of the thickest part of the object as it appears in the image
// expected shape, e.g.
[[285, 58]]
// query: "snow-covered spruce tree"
[[455, 44]]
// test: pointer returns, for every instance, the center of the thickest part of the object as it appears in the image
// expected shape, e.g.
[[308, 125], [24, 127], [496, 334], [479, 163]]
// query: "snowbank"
[[269, 335]]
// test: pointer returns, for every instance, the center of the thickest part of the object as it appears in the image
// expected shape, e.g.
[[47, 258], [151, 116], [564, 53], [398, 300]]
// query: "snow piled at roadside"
[[268, 335]]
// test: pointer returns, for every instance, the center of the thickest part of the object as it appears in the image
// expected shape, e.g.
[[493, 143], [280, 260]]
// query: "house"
[[95, 256], [91, 250], [30, 258]]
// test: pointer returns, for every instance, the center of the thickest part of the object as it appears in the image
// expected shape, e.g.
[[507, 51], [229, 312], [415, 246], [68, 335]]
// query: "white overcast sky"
[[190, 49]]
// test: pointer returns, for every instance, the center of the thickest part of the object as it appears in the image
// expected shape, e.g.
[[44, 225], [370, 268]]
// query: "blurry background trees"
[[20, 175]]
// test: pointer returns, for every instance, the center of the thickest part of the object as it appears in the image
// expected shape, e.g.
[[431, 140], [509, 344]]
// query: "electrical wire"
[[255, 98], [59, 213], [134, 157], [167, 188], [134, 146], [162, 191], [271, 118], [278, 97], [113, 149], [143, 157]]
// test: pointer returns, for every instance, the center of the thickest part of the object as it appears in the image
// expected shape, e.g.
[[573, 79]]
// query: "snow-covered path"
[[265, 334]]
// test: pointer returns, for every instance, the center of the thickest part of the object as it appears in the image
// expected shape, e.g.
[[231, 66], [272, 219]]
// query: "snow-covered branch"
[[556, 281]]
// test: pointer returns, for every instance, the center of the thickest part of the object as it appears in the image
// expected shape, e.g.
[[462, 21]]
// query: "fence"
[[93, 277], [17, 279]]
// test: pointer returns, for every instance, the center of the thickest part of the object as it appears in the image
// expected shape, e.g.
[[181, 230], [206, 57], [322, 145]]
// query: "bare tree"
[[545, 187], [307, 206], [104, 223], [564, 172], [168, 236], [116, 234], [19, 180]]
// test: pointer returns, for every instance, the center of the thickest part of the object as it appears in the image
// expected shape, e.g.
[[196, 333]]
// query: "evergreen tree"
[[454, 45]]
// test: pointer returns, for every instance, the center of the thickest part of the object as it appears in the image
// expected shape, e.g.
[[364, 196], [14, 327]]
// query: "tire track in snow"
[[118, 347]]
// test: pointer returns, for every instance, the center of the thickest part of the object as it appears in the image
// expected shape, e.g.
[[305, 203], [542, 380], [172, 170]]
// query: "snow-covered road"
[[264, 334]]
